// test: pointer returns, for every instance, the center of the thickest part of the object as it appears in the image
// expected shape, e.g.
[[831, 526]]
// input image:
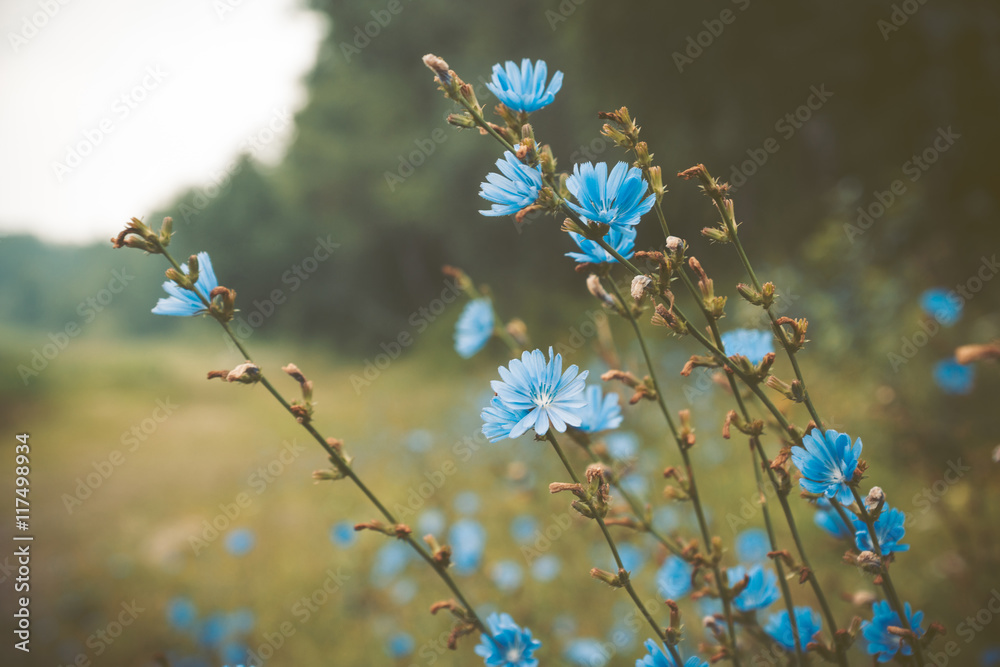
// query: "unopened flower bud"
[[595, 288], [717, 234], [968, 354], [674, 243], [868, 561], [518, 331], [874, 501], [463, 119], [439, 67], [246, 373], [639, 285], [192, 273], [610, 579]]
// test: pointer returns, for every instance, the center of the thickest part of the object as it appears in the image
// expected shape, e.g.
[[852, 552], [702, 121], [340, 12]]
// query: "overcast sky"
[[111, 107]]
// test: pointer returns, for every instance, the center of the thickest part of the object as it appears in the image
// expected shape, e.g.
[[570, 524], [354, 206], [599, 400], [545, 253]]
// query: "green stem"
[[730, 223], [337, 459], [782, 497], [692, 484], [623, 574], [637, 508]]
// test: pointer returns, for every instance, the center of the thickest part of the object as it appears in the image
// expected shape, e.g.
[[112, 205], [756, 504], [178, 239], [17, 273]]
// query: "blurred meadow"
[[187, 508]]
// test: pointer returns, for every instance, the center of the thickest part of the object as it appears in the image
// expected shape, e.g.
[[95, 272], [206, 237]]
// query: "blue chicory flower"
[[656, 656], [602, 412], [507, 575], [889, 529], [343, 534], [673, 579], [953, 377], [779, 626], [524, 89], [239, 542], [523, 527], [468, 541], [622, 239], [399, 645], [474, 327], [466, 502], [944, 305], [633, 558], [499, 420], [390, 560], [586, 652], [545, 568], [185, 303], [614, 199], [752, 546], [514, 188], [622, 445], [181, 613], [827, 463], [830, 520], [535, 393], [761, 591], [751, 343], [882, 643], [510, 646]]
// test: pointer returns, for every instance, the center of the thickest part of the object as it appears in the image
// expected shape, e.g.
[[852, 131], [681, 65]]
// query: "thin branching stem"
[[622, 573], [342, 466]]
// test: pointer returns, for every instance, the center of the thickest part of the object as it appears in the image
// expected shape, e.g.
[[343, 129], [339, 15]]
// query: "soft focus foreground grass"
[[131, 538]]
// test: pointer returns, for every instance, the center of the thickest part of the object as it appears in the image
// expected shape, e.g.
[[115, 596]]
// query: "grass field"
[[135, 456]]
